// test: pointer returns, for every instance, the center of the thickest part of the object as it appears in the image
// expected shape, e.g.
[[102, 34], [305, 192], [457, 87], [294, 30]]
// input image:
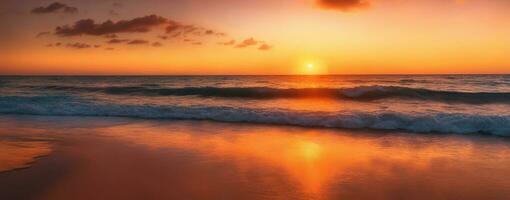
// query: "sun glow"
[[312, 68]]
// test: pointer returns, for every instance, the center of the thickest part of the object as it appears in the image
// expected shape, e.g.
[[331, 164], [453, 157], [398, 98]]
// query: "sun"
[[310, 67]]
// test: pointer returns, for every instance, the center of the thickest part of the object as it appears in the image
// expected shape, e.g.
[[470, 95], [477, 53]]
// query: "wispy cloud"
[[228, 43], [343, 5], [56, 7], [138, 42], [78, 45], [157, 44], [116, 41], [247, 42], [41, 34], [265, 47]]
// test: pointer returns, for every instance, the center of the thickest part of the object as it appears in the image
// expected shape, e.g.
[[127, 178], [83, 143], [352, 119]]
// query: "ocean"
[[451, 104], [255, 137]]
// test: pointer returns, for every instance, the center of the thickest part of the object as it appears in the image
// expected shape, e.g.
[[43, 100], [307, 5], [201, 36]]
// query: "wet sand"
[[113, 158]]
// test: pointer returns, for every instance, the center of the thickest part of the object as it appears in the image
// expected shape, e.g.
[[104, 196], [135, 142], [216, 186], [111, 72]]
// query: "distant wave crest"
[[383, 120], [362, 93]]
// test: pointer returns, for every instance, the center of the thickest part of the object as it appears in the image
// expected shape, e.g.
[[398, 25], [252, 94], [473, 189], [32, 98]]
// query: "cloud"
[[192, 34], [111, 36], [179, 29], [78, 45], [41, 34], [172, 27], [221, 34], [116, 41], [57, 44], [228, 43], [89, 27], [175, 35], [54, 8], [157, 44], [246, 43], [265, 47], [137, 42], [343, 5]]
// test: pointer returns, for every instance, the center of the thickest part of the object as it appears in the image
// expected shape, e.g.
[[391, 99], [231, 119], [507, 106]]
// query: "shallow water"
[[120, 158]]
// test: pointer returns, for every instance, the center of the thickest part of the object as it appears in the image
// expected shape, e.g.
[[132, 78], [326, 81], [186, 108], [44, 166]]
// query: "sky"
[[229, 37]]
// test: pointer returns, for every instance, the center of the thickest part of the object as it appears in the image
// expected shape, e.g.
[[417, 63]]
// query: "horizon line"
[[155, 75]]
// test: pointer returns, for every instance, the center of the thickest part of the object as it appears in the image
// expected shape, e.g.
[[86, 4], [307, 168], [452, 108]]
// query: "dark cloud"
[[343, 5], [116, 41], [89, 27], [110, 30], [178, 29], [110, 49], [189, 28], [138, 41], [163, 37], [78, 45], [97, 46], [265, 47], [172, 27], [57, 44], [248, 42], [54, 8]]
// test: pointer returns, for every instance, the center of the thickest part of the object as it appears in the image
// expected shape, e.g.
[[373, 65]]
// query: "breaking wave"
[[382, 120], [362, 93]]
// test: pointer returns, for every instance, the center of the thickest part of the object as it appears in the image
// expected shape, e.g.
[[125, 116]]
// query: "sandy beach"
[[116, 158]]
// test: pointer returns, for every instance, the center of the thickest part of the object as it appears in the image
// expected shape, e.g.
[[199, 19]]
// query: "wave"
[[362, 93], [383, 120]]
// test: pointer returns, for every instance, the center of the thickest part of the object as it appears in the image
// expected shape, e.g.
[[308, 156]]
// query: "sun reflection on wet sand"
[[206, 160], [320, 160]]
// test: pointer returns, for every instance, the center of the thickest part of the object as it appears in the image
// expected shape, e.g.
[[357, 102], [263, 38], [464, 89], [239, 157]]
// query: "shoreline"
[[123, 158]]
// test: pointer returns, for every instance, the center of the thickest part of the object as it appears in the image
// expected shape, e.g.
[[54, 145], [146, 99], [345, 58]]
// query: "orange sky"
[[255, 37]]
